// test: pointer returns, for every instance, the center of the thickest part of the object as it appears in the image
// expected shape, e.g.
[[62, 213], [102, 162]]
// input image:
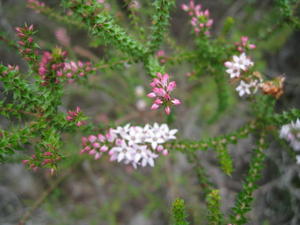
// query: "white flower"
[[149, 159], [167, 134], [121, 152], [155, 138], [291, 133], [243, 88], [133, 135], [243, 62], [298, 159], [233, 71], [247, 88], [140, 152], [135, 145], [238, 64], [121, 130]]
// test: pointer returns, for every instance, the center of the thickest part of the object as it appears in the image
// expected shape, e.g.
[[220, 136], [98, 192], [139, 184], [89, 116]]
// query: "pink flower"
[[199, 19], [92, 138], [161, 90], [244, 44]]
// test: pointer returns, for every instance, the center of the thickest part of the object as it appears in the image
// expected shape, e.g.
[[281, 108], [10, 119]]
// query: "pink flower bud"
[[159, 75], [160, 148], [92, 138], [92, 152], [206, 13], [165, 152], [209, 23], [96, 145], [176, 101], [82, 151], [25, 161], [84, 140], [160, 53], [154, 106], [19, 29], [165, 79], [69, 118], [184, 7], [104, 148], [171, 86], [30, 28], [87, 148], [21, 43], [244, 39], [151, 95], [168, 110], [59, 73], [101, 137], [47, 154], [97, 155], [158, 101], [159, 91], [228, 64]]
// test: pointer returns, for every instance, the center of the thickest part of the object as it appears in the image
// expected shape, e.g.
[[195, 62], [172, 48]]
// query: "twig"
[[43, 197]]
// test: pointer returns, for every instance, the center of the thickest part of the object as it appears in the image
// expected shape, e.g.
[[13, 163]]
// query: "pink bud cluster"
[[161, 55], [48, 65], [135, 145], [11, 68], [26, 43], [199, 19], [35, 4], [73, 69], [46, 159], [244, 44], [96, 145], [75, 116], [55, 67], [161, 90]]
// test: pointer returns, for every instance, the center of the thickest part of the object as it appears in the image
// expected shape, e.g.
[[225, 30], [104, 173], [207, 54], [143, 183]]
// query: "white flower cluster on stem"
[[135, 145], [238, 69], [291, 133]]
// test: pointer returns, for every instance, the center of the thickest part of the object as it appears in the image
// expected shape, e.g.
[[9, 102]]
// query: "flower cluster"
[[35, 4], [238, 69], [73, 69], [244, 44], [250, 82], [26, 43], [76, 116], [46, 159], [161, 89], [291, 133], [51, 62], [11, 68], [161, 55], [135, 145], [53, 66], [199, 19]]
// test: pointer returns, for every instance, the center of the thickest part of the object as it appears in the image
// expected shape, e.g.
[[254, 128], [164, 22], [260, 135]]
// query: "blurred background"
[[90, 192]]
